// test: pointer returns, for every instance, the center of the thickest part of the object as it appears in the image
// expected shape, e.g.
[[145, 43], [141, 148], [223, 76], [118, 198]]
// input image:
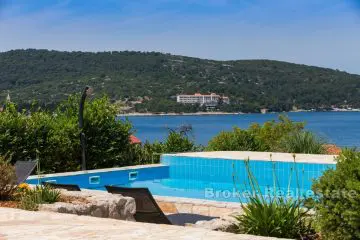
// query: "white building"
[[210, 99]]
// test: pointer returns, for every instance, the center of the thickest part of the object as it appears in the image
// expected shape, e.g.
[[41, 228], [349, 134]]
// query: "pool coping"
[[224, 155], [73, 173], [260, 156]]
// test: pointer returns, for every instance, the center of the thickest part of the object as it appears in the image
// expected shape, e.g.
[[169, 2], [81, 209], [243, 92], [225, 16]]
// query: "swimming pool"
[[218, 176]]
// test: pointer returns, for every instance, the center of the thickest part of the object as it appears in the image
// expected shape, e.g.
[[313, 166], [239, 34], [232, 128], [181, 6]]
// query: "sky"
[[323, 33]]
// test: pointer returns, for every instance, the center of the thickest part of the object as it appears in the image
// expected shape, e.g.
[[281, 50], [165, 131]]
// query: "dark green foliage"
[[237, 140], [176, 142], [270, 134], [302, 142], [251, 84], [54, 137], [148, 153], [107, 140], [338, 199], [266, 137]]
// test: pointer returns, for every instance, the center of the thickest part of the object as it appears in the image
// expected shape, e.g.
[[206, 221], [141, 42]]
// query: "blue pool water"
[[203, 178]]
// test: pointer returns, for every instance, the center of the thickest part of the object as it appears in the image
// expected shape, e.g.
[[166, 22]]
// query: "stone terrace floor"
[[19, 224]]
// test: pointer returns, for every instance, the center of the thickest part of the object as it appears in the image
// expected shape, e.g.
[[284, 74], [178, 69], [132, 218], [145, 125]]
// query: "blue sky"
[[315, 32]]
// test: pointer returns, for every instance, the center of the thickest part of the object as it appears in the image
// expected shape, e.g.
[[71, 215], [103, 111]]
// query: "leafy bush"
[[107, 139], [272, 136], [7, 180], [273, 216], [30, 199], [237, 140], [178, 142], [302, 142], [54, 137], [150, 152], [337, 195]]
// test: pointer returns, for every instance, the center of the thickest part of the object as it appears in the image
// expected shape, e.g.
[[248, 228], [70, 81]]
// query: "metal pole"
[[81, 126]]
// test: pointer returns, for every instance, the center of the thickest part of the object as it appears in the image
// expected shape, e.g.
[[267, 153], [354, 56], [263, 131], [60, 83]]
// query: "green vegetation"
[[53, 137], [302, 142], [178, 142], [275, 216], [7, 180], [278, 217], [31, 198], [337, 199], [175, 142], [50, 76], [269, 137], [237, 140]]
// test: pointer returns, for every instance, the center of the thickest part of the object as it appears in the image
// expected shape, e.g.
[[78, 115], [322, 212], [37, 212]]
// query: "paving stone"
[[168, 207], [16, 224], [184, 207]]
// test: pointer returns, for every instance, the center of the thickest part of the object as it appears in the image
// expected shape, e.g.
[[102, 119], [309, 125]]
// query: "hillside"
[[50, 76]]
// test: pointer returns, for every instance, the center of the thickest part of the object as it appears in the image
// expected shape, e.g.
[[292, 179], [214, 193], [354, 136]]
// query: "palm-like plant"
[[274, 216], [302, 142], [277, 217]]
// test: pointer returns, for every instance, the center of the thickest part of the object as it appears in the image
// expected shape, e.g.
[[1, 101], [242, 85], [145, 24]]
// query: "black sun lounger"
[[23, 170], [69, 187], [147, 210]]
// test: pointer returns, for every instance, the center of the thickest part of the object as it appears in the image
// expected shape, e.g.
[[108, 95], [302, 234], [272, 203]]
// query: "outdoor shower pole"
[[81, 126]]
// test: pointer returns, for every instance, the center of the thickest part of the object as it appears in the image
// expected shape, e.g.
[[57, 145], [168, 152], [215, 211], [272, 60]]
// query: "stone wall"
[[94, 203]]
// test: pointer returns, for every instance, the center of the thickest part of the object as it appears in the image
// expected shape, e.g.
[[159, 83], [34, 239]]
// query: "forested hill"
[[50, 76]]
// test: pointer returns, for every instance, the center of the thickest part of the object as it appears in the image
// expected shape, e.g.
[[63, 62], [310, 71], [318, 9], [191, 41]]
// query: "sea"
[[340, 128]]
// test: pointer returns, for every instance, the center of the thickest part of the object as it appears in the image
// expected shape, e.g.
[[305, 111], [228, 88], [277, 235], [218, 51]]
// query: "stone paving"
[[19, 224]]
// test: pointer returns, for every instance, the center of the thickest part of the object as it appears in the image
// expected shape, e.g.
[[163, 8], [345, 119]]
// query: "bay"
[[340, 128]]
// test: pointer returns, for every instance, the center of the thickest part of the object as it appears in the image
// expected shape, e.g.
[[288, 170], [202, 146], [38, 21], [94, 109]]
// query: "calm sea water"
[[341, 128]]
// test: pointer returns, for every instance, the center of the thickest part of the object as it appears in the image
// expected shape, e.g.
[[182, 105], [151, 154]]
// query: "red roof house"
[[134, 140]]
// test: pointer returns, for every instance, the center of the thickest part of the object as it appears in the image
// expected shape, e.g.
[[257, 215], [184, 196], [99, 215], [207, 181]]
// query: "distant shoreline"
[[217, 113], [176, 114]]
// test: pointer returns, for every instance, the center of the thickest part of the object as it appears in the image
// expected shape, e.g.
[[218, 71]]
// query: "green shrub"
[[237, 140], [53, 137], [107, 139], [270, 134], [150, 152], [302, 142], [30, 199], [273, 216], [281, 136], [178, 142], [337, 195], [278, 217], [47, 194], [7, 180]]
